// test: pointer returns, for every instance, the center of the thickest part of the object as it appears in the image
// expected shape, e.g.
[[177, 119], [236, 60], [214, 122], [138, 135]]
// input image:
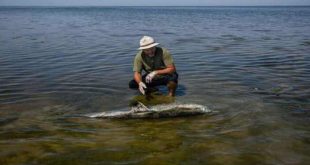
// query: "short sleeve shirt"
[[160, 60]]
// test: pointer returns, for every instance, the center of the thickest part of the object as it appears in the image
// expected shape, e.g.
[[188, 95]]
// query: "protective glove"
[[150, 76], [142, 86]]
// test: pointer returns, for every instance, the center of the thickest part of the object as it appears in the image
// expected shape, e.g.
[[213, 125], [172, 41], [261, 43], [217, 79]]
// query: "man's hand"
[[142, 86], [150, 76]]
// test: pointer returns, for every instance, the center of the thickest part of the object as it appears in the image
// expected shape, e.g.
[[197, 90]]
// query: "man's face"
[[150, 51]]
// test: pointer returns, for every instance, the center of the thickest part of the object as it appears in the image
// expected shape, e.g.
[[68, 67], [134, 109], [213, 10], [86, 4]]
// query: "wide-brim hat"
[[147, 42]]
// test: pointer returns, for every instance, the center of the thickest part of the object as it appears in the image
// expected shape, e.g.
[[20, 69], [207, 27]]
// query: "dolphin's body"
[[160, 111]]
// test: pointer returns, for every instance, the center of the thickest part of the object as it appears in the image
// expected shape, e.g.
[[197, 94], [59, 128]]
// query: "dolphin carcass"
[[160, 111]]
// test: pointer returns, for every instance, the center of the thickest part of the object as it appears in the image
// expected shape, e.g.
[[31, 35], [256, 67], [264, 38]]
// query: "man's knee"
[[133, 84]]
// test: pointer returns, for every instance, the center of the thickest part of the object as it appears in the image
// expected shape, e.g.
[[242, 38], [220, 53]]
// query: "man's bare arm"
[[169, 70], [137, 77]]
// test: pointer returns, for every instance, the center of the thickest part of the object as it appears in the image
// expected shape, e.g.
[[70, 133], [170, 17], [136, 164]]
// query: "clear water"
[[250, 64]]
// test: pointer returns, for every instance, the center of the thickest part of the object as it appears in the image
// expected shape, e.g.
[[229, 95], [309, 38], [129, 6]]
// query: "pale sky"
[[152, 2]]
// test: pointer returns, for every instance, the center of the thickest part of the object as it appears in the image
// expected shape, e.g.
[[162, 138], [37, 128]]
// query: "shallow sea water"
[[250, 65]]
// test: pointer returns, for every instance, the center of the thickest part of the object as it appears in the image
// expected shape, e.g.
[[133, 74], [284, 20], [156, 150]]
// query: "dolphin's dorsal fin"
[[142, 105]]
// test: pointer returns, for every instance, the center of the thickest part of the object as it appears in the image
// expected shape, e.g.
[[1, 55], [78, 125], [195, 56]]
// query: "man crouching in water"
[[158, 65]]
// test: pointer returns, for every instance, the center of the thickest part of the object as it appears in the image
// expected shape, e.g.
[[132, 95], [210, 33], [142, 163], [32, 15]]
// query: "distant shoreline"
[[153, 6]]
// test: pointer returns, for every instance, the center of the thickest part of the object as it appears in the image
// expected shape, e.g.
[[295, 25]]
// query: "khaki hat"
[[147, 42]]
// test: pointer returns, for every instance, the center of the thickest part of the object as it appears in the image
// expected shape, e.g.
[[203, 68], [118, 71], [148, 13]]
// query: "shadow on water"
[[306, 43], [181, 90], [304, 113], [158, 97], [154, 98], [7, 120]]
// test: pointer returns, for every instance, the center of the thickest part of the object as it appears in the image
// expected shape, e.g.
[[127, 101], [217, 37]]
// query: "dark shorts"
[[157, 81]]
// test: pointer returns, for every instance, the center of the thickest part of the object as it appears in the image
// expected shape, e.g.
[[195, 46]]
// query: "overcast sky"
[[151, 2]]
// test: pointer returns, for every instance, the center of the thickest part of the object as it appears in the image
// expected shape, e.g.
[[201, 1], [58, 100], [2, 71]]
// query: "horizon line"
[[154, 6]]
